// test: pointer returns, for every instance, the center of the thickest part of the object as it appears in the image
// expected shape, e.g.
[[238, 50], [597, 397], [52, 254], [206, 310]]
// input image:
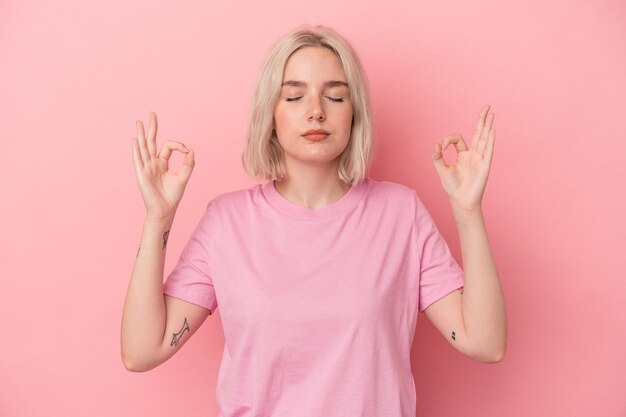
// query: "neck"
[[312, 187]]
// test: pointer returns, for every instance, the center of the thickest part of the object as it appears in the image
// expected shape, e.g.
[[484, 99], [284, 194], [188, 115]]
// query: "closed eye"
[[336, 100]]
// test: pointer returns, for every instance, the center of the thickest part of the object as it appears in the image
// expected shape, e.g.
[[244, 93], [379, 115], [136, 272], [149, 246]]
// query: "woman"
[[321, 270]]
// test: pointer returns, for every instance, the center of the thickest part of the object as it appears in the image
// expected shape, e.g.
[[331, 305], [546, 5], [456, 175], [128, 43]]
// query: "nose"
[[316, 110]]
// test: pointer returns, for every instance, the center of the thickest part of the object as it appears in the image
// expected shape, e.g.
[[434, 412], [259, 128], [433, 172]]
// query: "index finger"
[[152, 130], [479, 125]]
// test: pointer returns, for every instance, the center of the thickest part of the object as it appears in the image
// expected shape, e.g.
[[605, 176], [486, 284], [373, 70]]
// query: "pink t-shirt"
[[318, 306]]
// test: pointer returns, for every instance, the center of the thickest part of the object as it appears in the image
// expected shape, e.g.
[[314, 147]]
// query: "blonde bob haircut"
[[262, 155]]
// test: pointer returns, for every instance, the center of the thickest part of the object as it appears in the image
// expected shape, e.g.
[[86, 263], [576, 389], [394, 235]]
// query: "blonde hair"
[[262, 155]]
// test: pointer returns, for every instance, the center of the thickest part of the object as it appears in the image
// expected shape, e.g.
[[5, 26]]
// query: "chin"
[[314, 158]]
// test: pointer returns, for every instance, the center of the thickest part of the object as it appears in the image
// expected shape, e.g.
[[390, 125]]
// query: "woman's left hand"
[[465, 181]]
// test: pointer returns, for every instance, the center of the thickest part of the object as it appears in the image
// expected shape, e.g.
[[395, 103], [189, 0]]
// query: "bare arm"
[[154, 326], [149, 316], [484, 312], [474, 319]]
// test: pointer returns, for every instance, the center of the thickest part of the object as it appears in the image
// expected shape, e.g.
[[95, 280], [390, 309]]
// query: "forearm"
[[484, 311], [143, 319]]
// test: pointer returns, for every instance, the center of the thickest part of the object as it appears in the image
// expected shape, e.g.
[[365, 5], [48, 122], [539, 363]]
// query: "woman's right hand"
[[161, 189]]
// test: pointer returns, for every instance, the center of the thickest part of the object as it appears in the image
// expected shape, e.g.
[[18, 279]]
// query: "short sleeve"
[[440, 274], [190, 280]]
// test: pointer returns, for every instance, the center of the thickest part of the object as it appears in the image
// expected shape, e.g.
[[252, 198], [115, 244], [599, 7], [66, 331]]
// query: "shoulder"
[[389, 190], [236, 201], [392, 199]]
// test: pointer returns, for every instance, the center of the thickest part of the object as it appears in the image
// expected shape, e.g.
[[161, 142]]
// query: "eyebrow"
[[333, 83]]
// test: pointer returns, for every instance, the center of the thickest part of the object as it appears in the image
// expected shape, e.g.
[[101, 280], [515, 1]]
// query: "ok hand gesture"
[[465, 181], [161, 189]]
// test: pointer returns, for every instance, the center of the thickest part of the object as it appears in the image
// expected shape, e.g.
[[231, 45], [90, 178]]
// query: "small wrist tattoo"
[[176, 336], [165, 235], [453, 335]]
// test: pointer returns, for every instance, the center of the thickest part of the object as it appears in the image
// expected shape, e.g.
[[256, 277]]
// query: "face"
[[314, 95]]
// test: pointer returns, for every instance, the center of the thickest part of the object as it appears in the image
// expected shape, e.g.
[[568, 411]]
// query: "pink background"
[[74, 77]]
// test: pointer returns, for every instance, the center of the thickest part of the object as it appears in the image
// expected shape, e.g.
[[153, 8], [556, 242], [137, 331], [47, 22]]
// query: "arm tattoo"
[[453, 332], [176, 336], [165, 236]]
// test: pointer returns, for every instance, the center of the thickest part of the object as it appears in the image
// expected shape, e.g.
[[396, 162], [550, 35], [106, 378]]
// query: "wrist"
[[158, 221], [465, 215], [155, 233]]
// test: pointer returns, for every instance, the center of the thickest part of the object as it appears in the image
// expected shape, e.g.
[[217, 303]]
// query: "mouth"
[[316, 134]]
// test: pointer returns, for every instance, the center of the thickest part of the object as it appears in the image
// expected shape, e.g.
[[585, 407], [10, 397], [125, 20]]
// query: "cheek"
[[281, 119], [278, 117], [346, 120]]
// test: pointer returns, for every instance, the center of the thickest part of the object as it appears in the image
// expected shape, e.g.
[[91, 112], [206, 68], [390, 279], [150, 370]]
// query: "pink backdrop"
[[74, 77]]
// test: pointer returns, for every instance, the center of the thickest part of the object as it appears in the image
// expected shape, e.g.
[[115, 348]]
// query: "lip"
[[316, 134]]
